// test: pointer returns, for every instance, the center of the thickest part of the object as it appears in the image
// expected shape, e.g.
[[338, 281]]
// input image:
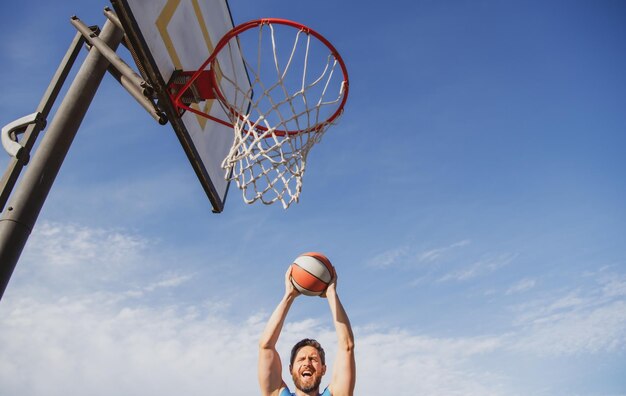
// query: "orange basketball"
[[311, 273]]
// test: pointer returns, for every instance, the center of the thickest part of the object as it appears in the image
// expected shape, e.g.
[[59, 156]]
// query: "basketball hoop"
[[296, 88]]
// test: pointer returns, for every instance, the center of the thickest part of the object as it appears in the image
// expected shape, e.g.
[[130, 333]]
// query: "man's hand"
[[290, 289], [331, 289]]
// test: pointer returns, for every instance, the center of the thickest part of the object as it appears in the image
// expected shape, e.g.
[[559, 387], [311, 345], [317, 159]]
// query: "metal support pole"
[[136, 86], [110, 54], [136, 93], [23, 209], [108, 12], [45, 106]]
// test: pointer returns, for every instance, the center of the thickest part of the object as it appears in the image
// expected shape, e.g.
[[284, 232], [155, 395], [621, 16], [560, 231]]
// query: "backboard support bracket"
[[134, 84]]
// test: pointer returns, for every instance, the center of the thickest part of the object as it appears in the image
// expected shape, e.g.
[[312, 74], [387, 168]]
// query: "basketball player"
[[308, 362]]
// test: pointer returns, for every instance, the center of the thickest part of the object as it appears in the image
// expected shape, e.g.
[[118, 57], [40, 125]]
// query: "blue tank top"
[[286, 392]]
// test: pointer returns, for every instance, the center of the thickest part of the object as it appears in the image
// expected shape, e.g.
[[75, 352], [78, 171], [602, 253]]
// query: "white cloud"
[[521, 286], [615, 286], [574, 322], [398, 362], [119, 340], [71, 258], [573, 332], [94, 346], [388, 258], [478, 268], [97, 345], [68, 245], [435, 254], [407, 256], [171, 280]]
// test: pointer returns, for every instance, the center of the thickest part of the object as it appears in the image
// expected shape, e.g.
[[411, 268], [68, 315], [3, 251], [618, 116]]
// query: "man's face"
[[307, 369]]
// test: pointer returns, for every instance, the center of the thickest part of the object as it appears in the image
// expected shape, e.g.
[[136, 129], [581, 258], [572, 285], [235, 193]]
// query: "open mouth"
[[307, 374]]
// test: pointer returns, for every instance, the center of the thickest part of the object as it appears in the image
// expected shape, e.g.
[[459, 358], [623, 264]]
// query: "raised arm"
[[344, 371], [270, 367]]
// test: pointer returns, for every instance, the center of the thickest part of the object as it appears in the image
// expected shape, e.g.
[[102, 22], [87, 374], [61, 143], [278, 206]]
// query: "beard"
[[307, 386]]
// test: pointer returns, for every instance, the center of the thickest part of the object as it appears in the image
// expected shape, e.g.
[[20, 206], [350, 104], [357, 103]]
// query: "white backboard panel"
[[170, 35]]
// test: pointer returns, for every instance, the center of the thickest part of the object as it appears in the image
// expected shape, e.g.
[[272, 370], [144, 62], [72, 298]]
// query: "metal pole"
[[112, 56], [23, 209], [45, 106], [136, 93], [133, 82]]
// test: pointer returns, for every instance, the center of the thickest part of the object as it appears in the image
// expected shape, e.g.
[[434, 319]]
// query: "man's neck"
[[314, 392]]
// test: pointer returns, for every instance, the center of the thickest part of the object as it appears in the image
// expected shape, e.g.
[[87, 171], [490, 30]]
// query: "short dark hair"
[[307, 342]]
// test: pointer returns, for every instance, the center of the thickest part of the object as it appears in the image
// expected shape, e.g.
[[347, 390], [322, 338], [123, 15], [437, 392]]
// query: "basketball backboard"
[[175, 35]]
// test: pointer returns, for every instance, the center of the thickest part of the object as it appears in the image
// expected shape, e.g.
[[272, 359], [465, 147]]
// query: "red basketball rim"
[[240, 29]]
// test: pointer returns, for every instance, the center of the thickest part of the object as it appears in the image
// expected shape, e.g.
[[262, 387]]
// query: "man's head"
[[307, 365]]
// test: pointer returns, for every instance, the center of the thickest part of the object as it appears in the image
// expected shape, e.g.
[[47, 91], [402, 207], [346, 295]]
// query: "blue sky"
[[471, 198]]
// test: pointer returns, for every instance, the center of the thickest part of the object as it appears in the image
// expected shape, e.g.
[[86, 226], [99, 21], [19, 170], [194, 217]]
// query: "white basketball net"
[[281, 114]]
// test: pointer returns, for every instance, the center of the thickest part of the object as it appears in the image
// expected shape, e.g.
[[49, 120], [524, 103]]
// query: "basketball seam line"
[[313, 275]]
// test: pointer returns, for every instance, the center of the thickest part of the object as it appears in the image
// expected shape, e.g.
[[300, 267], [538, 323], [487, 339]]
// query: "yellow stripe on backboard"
[[162, 23]]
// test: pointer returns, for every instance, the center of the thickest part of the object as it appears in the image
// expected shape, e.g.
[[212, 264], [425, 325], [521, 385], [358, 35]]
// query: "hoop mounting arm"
[[201, 88]]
